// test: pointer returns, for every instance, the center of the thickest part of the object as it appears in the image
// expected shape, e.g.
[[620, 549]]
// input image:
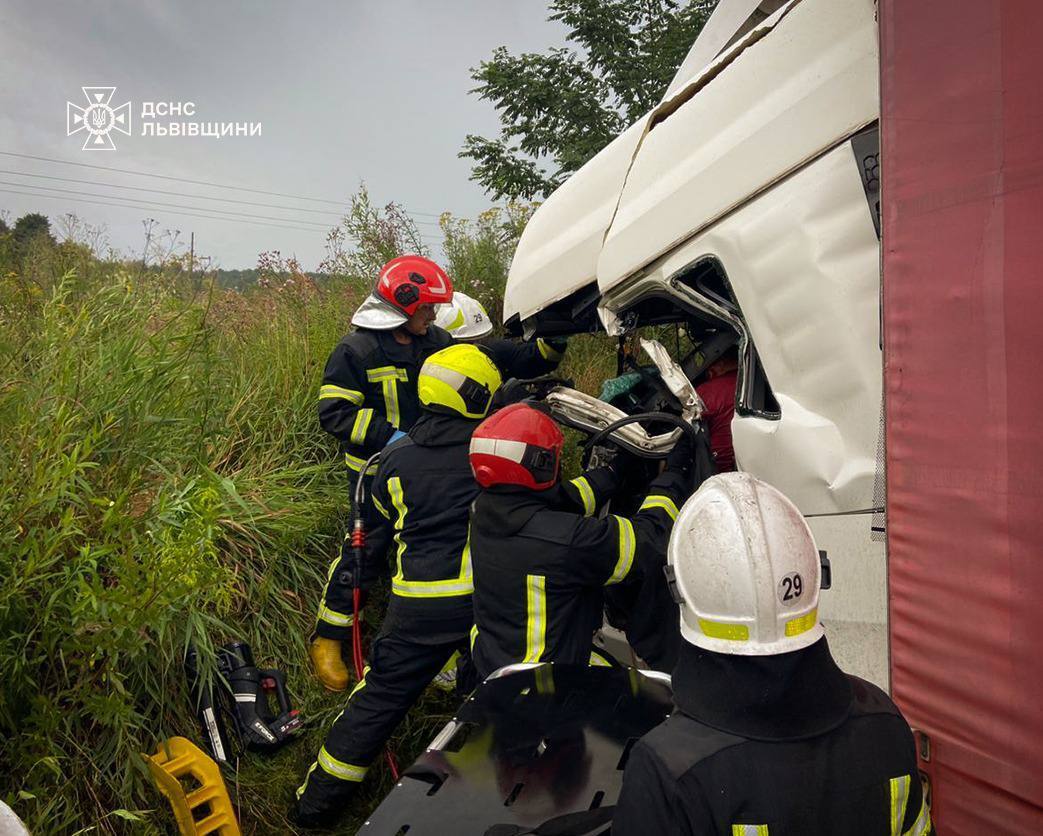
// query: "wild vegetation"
[[559, 107], [164, 482]]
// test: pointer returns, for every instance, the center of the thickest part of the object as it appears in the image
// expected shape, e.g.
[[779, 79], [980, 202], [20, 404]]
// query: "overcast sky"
[[346, 91]]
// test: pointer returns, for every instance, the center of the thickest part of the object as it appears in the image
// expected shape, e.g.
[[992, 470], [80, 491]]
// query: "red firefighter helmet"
[[518, 445], [411, 280]]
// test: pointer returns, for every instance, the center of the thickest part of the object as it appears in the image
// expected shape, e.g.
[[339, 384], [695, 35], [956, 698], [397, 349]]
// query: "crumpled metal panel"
[[558, 251], [526, 747], [729, 20], [793, 92], [962, 132], [803, 261]]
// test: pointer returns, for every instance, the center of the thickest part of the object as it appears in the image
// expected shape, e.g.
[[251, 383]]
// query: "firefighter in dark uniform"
[[769, 737], [467, 321], [540, 566], [423, 490], [368, 399]]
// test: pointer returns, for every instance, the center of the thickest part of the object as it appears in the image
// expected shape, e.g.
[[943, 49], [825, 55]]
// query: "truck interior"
[[707, 321]]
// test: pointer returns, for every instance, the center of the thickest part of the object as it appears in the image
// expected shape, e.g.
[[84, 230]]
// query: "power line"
[[278, 206], [143, 205], [316, 224], [148, 209], [189, 180], [175, 194]]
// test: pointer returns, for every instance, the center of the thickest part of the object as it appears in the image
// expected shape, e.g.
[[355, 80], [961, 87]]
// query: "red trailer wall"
[[962, 149]]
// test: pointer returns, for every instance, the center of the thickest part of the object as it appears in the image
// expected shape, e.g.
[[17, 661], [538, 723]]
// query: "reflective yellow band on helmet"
[[627, 545], [340, 769], [659, 501], [461, 378], [796, 626], [536, 617], [586, 494], [547, 351], [356, 464], [458, 320], [328, 391], [722, 630], [899, 800], [750, 830], [358, 431]]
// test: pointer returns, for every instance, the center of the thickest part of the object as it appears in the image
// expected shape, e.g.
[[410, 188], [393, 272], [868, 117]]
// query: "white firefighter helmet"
[[10, 824], [745, 569], [465, 318]]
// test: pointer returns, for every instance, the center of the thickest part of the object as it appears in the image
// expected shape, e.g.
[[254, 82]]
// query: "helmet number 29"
[[791, 587]]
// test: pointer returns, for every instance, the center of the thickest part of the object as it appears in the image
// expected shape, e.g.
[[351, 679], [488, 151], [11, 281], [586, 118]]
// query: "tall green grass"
[[163, 481]]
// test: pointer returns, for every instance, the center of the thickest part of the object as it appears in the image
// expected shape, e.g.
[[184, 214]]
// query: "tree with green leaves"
[[559, 108], [31, 226]]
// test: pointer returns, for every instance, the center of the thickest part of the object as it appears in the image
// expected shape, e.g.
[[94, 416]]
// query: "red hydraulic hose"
[[358, 544]]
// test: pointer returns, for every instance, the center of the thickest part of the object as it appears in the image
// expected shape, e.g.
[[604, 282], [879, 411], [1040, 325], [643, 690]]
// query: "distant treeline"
[[243, 279]]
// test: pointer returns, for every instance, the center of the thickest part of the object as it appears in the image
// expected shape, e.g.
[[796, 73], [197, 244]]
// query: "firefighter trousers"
[[336, 609], [400, 668]]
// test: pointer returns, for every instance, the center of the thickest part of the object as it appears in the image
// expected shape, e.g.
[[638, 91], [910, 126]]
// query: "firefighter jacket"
[[522, 360], [643, 607], [783, 745], [423, 491], [540, 567], [369, 387]]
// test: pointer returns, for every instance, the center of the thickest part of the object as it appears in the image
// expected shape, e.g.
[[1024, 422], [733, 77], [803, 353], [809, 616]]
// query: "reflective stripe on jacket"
[[369, 389], [423, 492], [784, 745], [541, 564]]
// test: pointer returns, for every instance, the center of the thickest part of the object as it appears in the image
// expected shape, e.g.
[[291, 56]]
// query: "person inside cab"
[[423, 491], [769, 736], [540, 563], [716, 387]]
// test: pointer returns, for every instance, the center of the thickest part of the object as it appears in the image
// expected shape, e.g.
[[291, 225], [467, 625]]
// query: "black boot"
[[312, 821]]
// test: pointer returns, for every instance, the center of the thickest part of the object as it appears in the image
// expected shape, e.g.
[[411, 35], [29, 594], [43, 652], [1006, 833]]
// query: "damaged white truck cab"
[[748, 200]]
